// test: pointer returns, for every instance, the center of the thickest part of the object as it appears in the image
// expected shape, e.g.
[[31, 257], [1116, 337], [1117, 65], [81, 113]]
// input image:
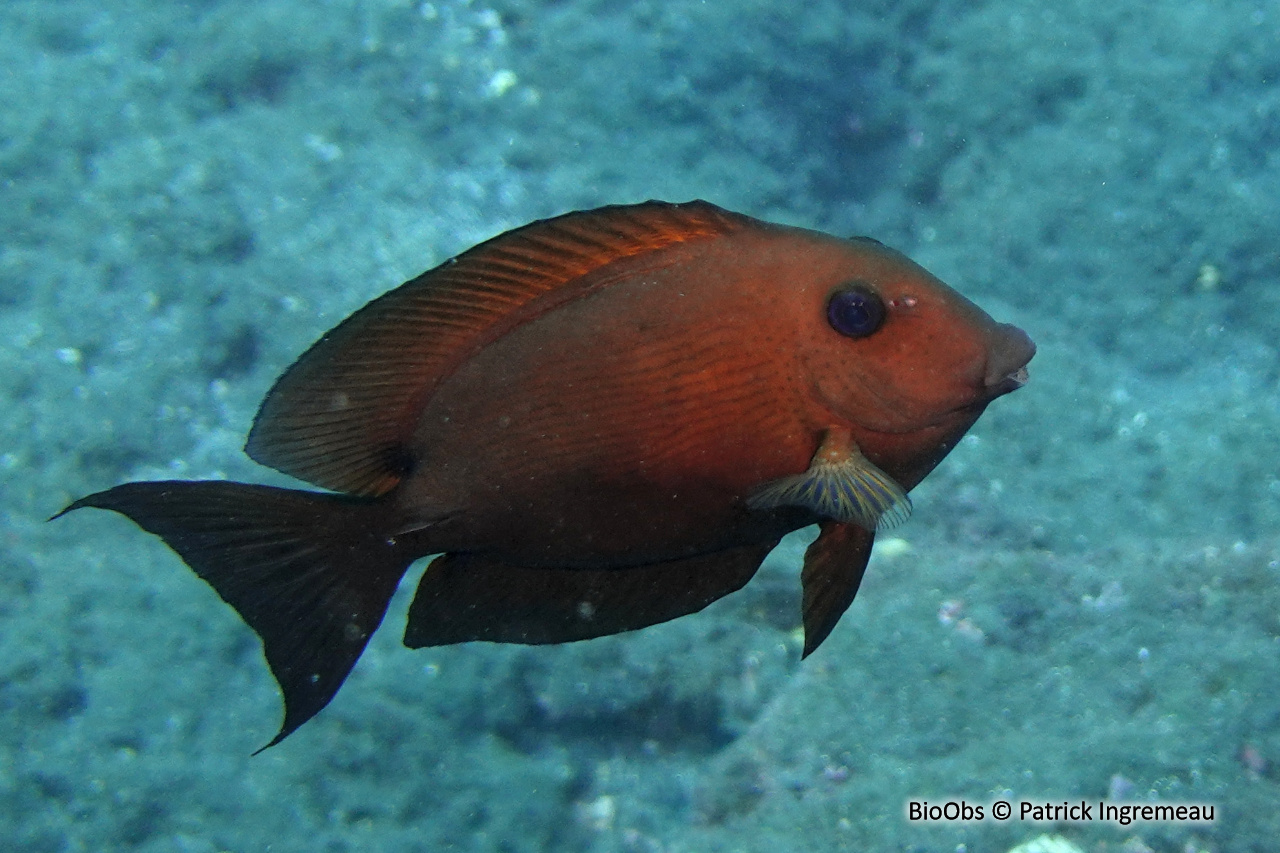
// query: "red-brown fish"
[[601, 421]]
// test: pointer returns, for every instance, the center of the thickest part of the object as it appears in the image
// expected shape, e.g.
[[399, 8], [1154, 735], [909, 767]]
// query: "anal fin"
[[464, 597]]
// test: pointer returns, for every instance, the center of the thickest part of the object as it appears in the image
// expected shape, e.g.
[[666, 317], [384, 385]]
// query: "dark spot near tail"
[[399, 460]]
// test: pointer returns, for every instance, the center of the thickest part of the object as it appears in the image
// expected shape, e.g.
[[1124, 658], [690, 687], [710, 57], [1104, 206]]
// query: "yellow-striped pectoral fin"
[[842, 485]]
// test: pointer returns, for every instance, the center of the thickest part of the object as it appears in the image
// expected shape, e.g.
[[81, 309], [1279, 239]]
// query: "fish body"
[[601, 421], [627, 427]]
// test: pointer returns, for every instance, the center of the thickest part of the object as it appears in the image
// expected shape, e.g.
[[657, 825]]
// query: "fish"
[[596, 422]]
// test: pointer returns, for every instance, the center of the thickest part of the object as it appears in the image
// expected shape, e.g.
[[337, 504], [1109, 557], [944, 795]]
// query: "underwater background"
[[1086, 603]]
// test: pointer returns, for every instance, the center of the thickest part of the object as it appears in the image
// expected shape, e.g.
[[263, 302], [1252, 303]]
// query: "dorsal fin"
[[342, 415]]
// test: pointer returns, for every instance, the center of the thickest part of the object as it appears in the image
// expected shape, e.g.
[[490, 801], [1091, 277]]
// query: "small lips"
[[1010, 352], [1009, 382]]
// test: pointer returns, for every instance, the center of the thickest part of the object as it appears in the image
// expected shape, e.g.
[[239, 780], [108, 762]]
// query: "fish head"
[[892, 350]]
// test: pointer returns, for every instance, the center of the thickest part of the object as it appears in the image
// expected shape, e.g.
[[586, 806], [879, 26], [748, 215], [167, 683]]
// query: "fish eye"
[[855, 310]]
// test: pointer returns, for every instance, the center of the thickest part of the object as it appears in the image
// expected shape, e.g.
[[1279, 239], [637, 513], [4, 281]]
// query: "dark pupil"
[[855, 312]]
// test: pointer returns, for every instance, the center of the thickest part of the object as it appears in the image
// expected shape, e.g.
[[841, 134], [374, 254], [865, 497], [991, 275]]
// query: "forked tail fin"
[[311, 573]]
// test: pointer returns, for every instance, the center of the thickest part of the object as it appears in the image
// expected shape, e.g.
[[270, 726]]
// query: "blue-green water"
[[192, 193]]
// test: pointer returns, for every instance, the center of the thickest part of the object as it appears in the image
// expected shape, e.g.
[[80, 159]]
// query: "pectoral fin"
[[842, 485], [833, 569]]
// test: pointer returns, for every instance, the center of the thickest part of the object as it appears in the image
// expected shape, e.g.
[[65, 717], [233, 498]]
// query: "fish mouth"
[[1009, 382], [1010, 351]]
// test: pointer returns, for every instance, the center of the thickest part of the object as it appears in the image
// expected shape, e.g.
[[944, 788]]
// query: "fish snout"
[[1010, 351]]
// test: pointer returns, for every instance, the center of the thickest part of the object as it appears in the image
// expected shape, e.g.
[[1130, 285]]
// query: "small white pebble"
[[500, 83], [893, 547]]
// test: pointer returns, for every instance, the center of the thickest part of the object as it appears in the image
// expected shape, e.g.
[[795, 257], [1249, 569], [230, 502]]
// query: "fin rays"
[[306, 571], [853, 491]]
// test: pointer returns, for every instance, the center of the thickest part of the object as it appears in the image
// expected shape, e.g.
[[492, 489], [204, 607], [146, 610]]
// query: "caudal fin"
[[309, 572]]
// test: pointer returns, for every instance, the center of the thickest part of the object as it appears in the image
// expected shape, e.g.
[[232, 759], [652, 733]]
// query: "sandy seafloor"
[[193, 192]]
